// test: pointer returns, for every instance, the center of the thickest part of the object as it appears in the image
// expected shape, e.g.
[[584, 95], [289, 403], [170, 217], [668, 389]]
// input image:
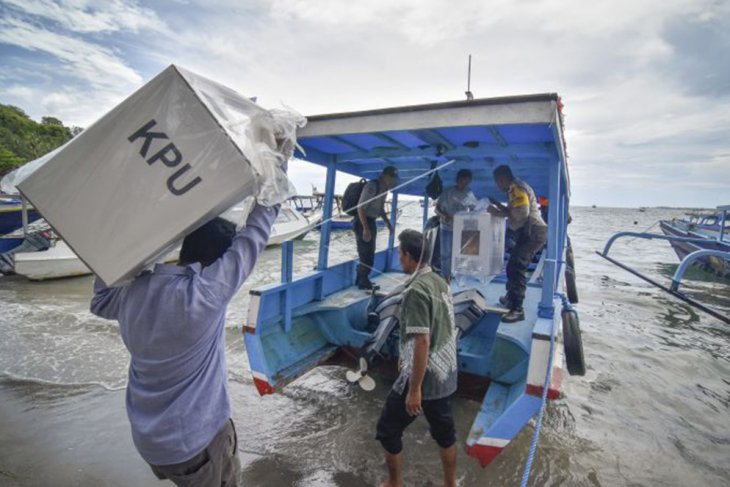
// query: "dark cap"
[[390, 171]]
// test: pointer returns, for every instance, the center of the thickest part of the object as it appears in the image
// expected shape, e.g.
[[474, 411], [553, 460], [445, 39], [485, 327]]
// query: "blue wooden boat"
[[320, 317], [705, 246], [712, 231], [11, 214]]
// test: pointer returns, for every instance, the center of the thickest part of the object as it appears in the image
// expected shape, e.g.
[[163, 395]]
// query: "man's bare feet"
[[389, 483]]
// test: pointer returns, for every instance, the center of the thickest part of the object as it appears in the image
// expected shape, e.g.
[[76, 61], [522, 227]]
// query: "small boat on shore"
[[56, 259], [322, 318]]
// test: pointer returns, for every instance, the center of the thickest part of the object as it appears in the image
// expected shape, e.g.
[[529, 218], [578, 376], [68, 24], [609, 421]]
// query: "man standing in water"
[[455, 199], [372, 200], [172, 322], [428, 364], [523, 217]]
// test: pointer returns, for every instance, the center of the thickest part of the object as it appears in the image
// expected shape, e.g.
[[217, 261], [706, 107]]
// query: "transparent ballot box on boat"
[[478, 245], [179, 151]]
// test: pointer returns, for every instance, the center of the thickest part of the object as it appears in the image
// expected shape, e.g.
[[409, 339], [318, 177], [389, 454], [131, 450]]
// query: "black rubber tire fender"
[[573, 343], [571, 289]]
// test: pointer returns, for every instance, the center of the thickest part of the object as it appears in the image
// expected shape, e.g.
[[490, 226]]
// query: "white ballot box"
[[478, 245], [179, 151]]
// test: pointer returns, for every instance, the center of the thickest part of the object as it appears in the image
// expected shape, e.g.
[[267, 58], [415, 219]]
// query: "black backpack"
[[351, 197], [434, 186]]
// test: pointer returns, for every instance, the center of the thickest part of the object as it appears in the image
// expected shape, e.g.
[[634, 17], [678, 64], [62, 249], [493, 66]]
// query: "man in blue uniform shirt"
[[172, 321]]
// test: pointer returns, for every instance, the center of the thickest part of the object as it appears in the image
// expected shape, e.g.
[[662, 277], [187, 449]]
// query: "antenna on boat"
[[469, 94]]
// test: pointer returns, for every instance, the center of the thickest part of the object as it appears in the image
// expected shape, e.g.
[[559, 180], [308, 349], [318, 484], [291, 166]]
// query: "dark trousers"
[[217, 465], [365, 250], [530, 239], [394, 419]]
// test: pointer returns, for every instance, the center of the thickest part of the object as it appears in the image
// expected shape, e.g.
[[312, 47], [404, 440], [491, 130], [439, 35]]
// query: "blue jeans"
[[446, 238]]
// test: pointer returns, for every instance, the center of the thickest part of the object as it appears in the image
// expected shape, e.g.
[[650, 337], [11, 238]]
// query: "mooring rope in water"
[[541, 414]]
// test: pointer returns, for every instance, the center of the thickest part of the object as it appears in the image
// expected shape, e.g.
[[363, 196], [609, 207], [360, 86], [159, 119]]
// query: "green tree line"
[[23, 139]]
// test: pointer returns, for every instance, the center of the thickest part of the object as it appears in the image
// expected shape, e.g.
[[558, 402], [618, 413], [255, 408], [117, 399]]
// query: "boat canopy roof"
[[523, 132]]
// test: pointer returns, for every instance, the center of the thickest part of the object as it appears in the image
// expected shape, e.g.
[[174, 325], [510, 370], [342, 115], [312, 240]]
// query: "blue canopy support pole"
[[391, 237], [287, 272], [287, 261], [563, 241], [425, 211], [723, 218], [326, 227], [553, 246], [689, 259], [324, 236]]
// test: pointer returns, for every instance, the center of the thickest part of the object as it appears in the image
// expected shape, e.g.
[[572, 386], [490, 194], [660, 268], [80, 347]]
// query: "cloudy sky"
[[646, 83]]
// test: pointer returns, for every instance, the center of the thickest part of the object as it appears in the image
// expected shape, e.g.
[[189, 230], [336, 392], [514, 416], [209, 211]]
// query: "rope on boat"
[[645, 230], [402, 185], [541, 414], [406, 183]]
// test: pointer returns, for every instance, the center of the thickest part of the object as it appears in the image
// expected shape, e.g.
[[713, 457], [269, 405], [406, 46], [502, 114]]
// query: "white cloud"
[[95, 76], [91, 15], [91, 62], [22, 92]]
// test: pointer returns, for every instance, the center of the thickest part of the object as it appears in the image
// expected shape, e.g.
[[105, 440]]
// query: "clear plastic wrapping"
[[478, 245], [267, 138]]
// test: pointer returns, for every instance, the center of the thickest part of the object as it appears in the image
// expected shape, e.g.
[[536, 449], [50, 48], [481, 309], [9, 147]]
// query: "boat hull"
[[11, 218], [717, 266], [502, 365], [9, 243], [58, 262]]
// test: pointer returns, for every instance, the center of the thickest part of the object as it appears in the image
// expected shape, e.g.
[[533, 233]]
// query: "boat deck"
[[520, 332]]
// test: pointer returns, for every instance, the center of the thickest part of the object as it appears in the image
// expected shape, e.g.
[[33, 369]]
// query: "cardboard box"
[[167, 159], [478, 245]]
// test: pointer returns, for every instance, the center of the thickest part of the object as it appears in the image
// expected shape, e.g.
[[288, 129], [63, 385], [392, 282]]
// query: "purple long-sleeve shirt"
[[172, 321]]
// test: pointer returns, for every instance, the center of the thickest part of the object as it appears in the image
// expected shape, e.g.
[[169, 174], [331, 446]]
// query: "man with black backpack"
[[370, 205]]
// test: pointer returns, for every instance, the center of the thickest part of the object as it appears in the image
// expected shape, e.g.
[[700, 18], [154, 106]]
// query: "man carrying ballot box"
[[172, 321]]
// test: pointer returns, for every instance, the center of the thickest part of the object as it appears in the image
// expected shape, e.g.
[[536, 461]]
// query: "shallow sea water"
[[652, 409]]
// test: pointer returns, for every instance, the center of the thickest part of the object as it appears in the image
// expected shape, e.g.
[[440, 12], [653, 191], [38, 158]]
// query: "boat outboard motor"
[[469, 309], [433, 242], [386, 315]]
